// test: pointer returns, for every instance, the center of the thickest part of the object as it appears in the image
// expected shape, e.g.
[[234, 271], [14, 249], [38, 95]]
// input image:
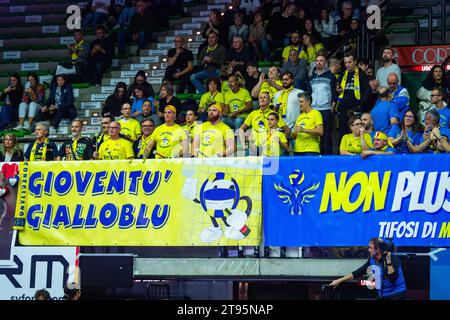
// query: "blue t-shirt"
[[382, 113], [402, 147], [137, 104], [444, 113]]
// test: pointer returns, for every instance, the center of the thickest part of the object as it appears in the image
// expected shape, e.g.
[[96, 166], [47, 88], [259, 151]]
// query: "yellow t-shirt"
[[213, 138], [236, 101], [286, 50], [168, 140], [130, 127], [352, 144], [225, 87], [310, 56], [272, 146], [208, 99], [266, 87], [306, 142], [119, 149], [258, 121]]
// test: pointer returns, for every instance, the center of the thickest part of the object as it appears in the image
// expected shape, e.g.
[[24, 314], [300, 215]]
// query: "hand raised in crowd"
[[262, 77]]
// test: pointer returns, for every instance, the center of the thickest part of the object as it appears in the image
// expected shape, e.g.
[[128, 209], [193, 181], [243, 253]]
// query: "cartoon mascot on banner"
[[219, 196]]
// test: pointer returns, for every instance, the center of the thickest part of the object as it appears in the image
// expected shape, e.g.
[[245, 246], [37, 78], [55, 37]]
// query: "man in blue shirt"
[[389, 280], [385, 114], [400, 95], [437, 99]]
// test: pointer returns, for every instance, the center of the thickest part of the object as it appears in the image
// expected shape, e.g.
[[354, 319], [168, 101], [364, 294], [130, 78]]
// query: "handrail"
[[421, 6]]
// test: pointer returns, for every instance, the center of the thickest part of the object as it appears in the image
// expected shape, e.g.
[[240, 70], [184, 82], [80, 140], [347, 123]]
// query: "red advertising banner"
[[421, 58]]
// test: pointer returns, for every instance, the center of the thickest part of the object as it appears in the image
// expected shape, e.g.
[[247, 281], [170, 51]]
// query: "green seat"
[[80, 85]]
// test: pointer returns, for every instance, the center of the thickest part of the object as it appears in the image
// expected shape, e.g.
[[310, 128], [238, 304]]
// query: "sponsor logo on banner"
[[139, 66], [164, 45], [33, 19], [90, 105], [193, 45], [199, 19], [108, 89], [16, 9], [155, 80], [35, 268], [422, 56], [46, 78], [128, 74], [114, 81], [163, 65], [158, 73], [215, 6], [96, 121], [204, 13], [191, 26], [11, 55], [183, 32], [99, 97], [169, 39], [76, 92], [159, 52], [138, 202], [115, 63], [150, 59], [51, 29], [91, 129], [31, 66], [66, 40]]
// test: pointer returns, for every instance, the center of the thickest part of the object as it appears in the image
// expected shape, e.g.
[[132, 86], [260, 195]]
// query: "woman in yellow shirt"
[[310, 48], [351, 143], [212, 96]]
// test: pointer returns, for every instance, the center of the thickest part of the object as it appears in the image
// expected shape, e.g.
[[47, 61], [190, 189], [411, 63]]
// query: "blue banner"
[[345, 200]]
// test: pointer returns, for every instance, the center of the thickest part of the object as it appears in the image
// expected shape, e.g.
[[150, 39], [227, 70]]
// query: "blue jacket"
[[323, 90], [67, 98], [401, 99]]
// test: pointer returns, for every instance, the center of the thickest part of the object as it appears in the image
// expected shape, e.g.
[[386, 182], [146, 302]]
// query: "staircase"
[[33, 38]]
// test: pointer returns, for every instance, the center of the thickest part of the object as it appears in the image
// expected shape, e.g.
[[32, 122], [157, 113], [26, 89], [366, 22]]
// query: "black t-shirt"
[[349, 100], [182, 60], [51, 154], [82, 151], [174, 102], [251, 82]]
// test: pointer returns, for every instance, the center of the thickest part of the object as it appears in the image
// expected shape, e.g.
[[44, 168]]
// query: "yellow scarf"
[[142, 145], [356, 84], [211, 49], [77, 46], [44, 150], [282, 107]]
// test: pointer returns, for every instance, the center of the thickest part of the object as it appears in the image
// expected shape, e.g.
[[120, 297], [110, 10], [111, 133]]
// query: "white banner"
[[139, 66], [33, 19], [150, 59], [31, 66], [127, 74], [17, 9], [11, 55], [183, 32], [66, 40], [38, 268], [50, 29], [90, 105], [114, 81], [99, 97], [108, 89], [164, 45], [191, 26]]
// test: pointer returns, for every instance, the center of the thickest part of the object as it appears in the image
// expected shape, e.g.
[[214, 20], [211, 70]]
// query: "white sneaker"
[[26, 125], [19, 127]]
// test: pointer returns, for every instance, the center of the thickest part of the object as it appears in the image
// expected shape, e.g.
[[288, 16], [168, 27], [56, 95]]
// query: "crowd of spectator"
[[293, 110]]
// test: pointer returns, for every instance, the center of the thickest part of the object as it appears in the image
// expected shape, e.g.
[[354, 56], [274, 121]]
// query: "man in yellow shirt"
[[213, 138], [308, 128], [295, 45], [170, 139], [116, 148], [238, 103], [131, 128], [258, 121]]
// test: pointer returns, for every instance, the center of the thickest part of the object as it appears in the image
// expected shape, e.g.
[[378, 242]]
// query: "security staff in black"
[[389, 280]]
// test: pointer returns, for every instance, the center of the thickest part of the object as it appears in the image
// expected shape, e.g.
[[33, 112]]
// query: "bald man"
[[400, 95]]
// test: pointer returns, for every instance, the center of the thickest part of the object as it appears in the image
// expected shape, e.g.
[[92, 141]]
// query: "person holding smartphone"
[[10, 99]]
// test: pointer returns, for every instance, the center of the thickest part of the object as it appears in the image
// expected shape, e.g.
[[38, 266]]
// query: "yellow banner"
[[177, 202]]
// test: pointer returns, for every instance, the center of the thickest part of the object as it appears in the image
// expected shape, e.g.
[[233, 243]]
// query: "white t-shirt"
[[383, 73]]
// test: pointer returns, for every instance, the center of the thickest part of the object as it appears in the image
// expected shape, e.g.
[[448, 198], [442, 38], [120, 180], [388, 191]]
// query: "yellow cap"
[[170, 107], [217, 106], [382, 136]]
